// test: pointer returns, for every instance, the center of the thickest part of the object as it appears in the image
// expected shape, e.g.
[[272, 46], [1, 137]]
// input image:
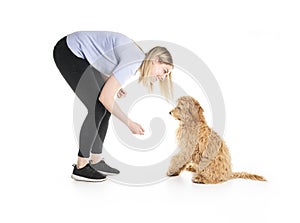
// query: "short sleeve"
[[130, 57], [123, 72]]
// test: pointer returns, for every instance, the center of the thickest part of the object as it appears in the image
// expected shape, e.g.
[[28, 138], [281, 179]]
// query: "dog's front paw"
[[172, 173]]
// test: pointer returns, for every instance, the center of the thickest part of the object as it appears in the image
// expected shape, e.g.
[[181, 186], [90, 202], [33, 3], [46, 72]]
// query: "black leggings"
[[87, 84]]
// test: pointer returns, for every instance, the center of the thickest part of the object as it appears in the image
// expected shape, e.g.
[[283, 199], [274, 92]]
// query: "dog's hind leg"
[[199, 179]]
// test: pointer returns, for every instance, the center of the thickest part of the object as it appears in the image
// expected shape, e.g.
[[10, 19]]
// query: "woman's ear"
[[156, 60]]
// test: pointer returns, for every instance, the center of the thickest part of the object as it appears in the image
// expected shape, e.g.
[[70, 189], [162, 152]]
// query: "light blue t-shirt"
[[109, 52]]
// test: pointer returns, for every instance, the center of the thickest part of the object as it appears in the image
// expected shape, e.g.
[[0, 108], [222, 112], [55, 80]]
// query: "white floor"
[[55, 196]]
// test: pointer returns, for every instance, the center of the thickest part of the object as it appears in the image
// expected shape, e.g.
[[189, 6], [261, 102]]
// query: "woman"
[[96, 64]]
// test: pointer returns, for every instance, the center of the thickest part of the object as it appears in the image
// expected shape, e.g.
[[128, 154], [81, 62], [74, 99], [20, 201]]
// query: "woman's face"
[[159, 70]]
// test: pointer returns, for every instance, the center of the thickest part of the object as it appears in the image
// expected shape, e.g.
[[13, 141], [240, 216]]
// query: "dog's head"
[[187, 109]]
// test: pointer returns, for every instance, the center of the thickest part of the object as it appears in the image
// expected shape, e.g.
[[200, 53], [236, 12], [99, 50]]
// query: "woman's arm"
[[107, 99]]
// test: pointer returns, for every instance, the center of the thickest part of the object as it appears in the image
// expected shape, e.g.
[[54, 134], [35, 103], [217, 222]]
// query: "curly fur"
[[202, 150]]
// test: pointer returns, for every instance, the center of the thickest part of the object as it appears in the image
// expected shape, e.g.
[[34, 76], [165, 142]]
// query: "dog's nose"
[[170, 113]]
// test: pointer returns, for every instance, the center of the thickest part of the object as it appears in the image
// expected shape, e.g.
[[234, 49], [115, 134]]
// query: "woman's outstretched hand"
[[135, 128]]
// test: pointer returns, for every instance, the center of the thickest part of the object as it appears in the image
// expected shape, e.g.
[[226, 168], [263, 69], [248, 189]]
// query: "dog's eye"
[[178, 108]]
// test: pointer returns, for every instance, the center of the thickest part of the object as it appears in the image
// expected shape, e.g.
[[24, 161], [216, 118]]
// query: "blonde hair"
[[163, 56]]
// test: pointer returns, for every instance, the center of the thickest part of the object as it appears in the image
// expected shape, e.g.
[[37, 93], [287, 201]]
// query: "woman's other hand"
[[121, 93], [135, 128]]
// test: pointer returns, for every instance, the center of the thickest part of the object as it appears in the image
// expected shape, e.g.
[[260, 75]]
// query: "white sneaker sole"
[[79, 178], [107, 173]]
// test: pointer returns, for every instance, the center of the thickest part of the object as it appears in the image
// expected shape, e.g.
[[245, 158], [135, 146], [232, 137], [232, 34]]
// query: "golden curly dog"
[[202, 150]]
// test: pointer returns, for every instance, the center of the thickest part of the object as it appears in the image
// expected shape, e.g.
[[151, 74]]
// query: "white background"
[[252, 48]]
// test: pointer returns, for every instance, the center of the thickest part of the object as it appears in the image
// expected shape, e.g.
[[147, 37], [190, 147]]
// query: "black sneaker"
[[102, 167], [88, 174]]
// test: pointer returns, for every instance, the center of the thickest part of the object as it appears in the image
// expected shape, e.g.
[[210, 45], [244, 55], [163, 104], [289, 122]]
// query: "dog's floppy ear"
[[196, 110]]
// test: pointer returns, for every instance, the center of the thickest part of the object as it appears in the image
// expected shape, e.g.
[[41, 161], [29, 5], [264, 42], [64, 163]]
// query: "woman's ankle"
[[82, 162]]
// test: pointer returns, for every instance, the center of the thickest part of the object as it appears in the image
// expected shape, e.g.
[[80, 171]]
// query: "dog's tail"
[[249, 176]]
